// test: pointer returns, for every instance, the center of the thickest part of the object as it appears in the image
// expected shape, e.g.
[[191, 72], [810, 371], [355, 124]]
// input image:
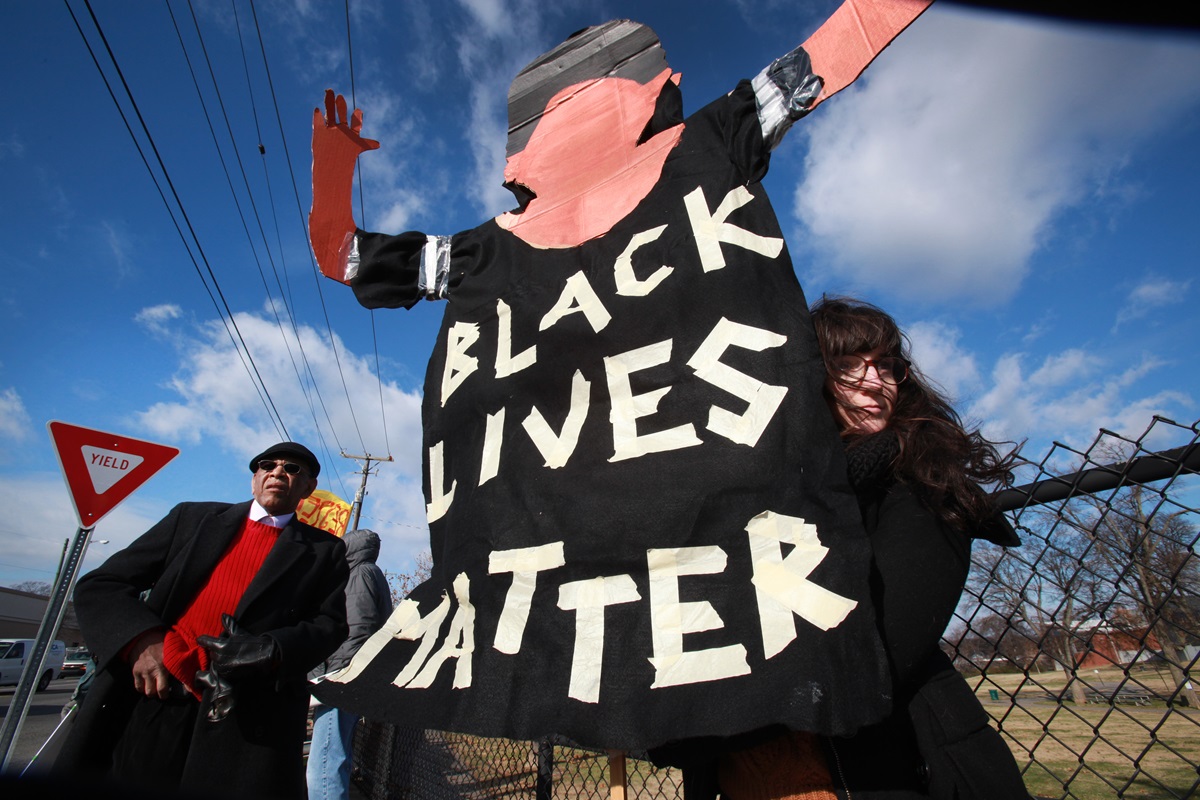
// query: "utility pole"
[[362, 486]]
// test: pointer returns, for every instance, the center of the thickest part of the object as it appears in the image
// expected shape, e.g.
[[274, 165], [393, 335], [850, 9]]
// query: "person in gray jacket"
[[368, 605]]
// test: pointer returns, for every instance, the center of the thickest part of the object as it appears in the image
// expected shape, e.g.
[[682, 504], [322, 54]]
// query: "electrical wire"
[[362, 214], [257, 218], [303, 219], [191, 241], [223, 310], [287, 293]]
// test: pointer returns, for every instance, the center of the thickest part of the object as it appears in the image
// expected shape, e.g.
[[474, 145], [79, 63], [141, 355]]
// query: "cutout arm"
[[829, 61], [336, 145]]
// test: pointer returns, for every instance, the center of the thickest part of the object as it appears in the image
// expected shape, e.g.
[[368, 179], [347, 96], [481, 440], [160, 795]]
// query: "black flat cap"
[[294, 449]]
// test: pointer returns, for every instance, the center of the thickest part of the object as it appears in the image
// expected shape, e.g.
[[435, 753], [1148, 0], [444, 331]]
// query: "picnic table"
[[1123, 696]]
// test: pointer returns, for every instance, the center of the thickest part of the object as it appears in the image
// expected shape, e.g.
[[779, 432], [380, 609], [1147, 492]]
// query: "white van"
[[13, 654]]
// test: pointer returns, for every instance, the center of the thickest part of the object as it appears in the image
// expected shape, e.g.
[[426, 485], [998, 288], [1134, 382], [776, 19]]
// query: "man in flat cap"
[[204, 629]]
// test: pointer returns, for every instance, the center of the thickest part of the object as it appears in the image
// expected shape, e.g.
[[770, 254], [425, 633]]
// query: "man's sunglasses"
[[267, 465]]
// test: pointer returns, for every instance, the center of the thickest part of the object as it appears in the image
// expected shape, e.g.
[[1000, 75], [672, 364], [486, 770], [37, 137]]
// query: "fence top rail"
[[1144, 469]]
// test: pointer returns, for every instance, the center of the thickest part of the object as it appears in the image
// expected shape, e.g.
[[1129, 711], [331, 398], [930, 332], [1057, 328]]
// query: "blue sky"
[[1019, 193]]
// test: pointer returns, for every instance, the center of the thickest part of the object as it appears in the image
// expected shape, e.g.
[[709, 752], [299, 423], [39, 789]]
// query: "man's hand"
[[150, 676], [336, 146]]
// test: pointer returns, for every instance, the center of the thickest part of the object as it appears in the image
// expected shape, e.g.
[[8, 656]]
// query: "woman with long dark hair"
[[936, 457], [916, 471]]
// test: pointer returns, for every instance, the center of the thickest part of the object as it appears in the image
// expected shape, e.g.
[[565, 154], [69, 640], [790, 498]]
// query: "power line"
[[363, 215], [26, 569], [379, 381], [226, 316], [303, 221], [287, 294], [190, 238], [304, 388], [398, 524]]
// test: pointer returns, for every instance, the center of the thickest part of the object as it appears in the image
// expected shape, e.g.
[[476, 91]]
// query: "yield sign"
[[102, 469]]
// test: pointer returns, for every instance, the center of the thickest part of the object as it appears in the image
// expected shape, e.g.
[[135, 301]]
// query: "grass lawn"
[[1094, 750]]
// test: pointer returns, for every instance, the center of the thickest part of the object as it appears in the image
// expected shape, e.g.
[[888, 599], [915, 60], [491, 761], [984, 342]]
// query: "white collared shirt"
[[260, 514]]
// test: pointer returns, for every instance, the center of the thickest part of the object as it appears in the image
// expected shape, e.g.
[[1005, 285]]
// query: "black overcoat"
[[297, 597]]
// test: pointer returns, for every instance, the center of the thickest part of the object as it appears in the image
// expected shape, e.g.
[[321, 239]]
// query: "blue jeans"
[[330, 756]]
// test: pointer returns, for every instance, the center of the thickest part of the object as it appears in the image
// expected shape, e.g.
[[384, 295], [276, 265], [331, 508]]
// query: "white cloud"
[[502, 38], [215, 404], [398, 212], [493, 16], [156, 319], [119, 248], [1036, 330], [419, 165], [32, 548], [15, 424], [1152, 293], [218, 405], [937, 350], [1068, 368], [940, 177], [1064, 395], [391, 172], [12, 146], [1068, 397]]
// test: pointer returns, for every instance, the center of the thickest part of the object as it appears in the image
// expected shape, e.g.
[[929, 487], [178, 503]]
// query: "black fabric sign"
[[640, 523]]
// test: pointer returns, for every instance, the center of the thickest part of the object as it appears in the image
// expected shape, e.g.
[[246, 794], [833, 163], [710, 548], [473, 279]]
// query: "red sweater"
[[182, 656]]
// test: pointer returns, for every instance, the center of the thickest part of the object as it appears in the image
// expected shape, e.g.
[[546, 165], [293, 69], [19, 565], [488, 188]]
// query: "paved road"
[[40, 722]]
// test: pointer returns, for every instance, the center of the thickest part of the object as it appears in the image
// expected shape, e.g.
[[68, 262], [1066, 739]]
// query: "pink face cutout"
[[583, 162]]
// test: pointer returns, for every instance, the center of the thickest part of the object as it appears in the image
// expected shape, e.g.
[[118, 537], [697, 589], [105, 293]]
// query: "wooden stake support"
[[616, 775]]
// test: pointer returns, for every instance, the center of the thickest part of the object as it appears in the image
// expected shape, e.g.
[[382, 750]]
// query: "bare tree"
[[1068, 591], [1150, 551], [33, 587], [1040, 598], [402, 583]]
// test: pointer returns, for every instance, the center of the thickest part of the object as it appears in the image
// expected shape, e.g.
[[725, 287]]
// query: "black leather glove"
[[219, 698], [239, 654]]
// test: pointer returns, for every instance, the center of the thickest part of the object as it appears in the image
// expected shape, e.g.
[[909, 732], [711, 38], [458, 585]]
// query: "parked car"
[[75, 662], [13, 653]]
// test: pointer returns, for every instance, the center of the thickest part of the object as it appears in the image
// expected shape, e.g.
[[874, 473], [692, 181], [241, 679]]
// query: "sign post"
[[101, 469]]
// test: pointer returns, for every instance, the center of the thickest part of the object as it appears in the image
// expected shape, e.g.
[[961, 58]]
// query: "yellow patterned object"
[[325, 510]]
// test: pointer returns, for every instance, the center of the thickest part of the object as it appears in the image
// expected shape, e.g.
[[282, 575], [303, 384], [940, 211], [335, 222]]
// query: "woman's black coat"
[[937, 743]]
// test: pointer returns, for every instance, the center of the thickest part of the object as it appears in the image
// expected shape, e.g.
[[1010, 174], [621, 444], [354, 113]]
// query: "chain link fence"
[[1081, 644], [397, 763]]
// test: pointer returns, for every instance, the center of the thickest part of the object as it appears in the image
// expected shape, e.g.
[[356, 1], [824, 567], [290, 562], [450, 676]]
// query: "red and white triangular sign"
[[102, 469]]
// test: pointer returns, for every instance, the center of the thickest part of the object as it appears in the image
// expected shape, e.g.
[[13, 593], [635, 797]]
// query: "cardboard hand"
[[853, 36], [336, 146], [239, 654]]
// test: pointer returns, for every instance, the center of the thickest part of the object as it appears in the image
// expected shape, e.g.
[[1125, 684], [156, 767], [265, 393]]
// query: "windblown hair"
[[940, 460]]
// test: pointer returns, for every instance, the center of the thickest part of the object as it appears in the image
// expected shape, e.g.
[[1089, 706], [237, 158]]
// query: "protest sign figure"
[[639, 516]]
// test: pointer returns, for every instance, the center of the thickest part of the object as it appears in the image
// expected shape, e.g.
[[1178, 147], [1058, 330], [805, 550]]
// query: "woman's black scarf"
[[870, 459], [870, 463]]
